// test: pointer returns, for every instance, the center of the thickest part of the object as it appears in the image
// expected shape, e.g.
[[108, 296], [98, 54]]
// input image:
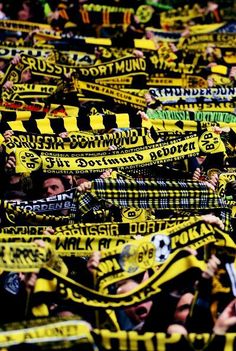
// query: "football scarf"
[[184, 14], [72, 58], [111, 93], [50, 283], [66, 334], [31, 230], [79, 142], [37, 66], [14, 215], [157, 245], [124, 66], [135, 341], [37, 109], [180, 92], [60, 124], [7, 52], [186, 81], [28, 161], [225, 40], [99, 14], [63, 201], [228, 195], [219, 106], [22, 26], [114, 228], [48, 333], [169, 128], [87, 42], [138, 255], [24, 257], [195, 116], [143, 194], [28, 91]]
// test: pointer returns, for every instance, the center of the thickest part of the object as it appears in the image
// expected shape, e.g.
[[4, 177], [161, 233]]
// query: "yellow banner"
[[27, 160]]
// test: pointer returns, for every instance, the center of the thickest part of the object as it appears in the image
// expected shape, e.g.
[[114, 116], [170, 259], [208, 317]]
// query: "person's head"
[[15, 195], [140, 312], [3, 64], [26, 10], [149, 34], [26, 76], [54, 185], [183, 307]]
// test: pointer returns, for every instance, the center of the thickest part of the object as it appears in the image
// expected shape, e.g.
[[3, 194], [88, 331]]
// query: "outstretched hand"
[[226, 319]]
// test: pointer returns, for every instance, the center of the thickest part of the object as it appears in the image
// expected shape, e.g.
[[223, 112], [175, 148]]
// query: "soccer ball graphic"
[[162, 244]]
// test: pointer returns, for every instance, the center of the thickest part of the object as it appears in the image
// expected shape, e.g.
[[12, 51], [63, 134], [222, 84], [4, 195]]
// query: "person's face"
[[140, 312], [2, 65], [149, 34], [183, 307], [52, 186], [210, 82], [25, 76], [24, 14]]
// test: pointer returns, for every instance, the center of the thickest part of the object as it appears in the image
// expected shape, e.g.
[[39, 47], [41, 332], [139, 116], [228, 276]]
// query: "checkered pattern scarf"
[[160, 194]]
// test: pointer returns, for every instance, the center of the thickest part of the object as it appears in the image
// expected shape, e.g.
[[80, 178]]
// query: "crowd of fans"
[[185, 308]]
